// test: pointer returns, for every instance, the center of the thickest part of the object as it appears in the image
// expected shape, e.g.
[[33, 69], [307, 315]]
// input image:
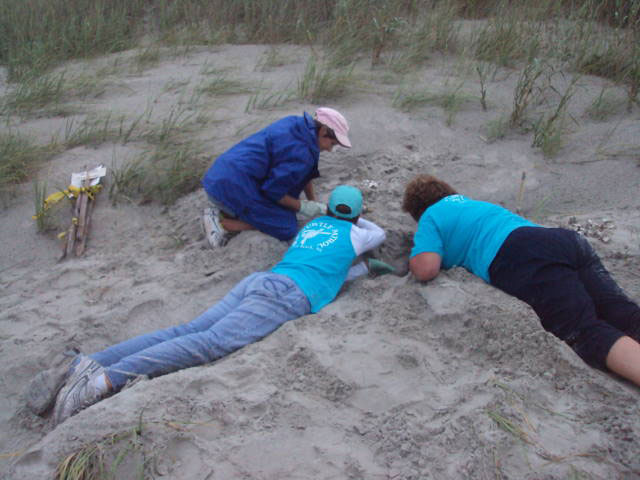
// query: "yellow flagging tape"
[[69, 193]]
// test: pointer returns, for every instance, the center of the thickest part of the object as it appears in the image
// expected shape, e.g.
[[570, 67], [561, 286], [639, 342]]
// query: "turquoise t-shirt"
[[466, 233], [319, 258]]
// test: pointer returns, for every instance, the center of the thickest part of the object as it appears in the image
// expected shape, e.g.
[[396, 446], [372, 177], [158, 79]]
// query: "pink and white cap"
[[336, 122]]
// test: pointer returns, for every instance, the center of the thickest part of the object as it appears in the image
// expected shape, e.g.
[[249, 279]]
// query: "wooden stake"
[[78, 232], [85, 222]]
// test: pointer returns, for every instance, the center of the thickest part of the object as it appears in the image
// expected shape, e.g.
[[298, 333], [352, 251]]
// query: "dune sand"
[[393, 380]]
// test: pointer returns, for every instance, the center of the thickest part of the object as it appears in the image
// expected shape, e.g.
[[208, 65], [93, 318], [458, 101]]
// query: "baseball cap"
[[336, 122], [348, 196]]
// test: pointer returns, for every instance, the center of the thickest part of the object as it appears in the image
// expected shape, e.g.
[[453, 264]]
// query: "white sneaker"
[[81, 390], [213, 230]]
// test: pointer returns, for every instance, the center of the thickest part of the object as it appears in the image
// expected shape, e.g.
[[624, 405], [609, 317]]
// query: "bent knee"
[[593, 345]]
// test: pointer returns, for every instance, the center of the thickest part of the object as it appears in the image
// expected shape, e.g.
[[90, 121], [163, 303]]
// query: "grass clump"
[[321, 82], [38, 34], [497, 128], [175, 123], [268, 100], [106, 459], [163, 175], [359, 28], [435, 31], [45, 94], [271, 59], [146, 58], [19, 157], [527, 90], [505, 40], [604, 106], [42, 214], [222, 85], [549, 129], [94, 130], [126, 182], [450, 100], [177, 172], [35, 93]]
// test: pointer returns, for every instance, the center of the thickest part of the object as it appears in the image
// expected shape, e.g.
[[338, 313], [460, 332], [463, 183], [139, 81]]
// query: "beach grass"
[[103, 458], [321, 82], [450, 98], [19, 158], [42, 214], [267, 99], [528, 39]]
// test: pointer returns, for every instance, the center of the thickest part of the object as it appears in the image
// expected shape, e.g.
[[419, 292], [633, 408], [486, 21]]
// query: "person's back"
[[291, 137], [319, 259], [465, 232]]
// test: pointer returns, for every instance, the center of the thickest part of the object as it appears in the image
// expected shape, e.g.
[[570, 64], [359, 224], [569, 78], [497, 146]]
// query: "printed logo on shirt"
[[316, 236], [454, 199]]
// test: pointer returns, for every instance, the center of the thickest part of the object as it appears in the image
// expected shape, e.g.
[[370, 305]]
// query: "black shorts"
[[557, 272]]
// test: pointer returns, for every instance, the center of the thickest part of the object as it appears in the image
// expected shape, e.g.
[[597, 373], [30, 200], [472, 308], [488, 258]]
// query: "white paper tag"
[[93, 176]]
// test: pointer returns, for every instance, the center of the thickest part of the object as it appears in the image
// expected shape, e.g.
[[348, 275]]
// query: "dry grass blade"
[[509, 426], [85, 464], [101, 459]]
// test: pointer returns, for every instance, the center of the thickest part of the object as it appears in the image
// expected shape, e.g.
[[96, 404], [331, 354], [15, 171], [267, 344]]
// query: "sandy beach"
[[395, 379]]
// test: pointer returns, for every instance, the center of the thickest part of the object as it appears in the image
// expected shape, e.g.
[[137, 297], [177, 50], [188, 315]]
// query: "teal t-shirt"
[[319, 258], [466, 233]]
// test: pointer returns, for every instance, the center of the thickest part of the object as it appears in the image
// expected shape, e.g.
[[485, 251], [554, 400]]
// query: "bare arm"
[[624, 359], [425, 266], [309, 191], [291, 203]]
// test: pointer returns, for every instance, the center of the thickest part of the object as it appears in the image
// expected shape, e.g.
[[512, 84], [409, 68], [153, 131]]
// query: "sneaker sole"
[[213, 233], [43, 389], [74, 379]]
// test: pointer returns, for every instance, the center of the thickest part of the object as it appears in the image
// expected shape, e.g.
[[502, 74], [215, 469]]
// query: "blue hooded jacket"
[[276, 161]]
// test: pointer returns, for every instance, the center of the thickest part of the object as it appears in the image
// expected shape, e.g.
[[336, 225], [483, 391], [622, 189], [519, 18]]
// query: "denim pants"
[[255, 307], [557, 272]]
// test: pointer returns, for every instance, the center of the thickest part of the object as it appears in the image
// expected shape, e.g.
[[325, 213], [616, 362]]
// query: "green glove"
[[378, 267], [309, 208]]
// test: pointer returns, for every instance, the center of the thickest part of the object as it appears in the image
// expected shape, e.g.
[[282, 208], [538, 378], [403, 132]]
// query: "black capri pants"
[[557, 272]]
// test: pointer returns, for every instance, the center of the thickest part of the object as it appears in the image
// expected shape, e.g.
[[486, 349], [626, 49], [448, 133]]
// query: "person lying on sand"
[[307, 278], [554, 270], [257, 183]]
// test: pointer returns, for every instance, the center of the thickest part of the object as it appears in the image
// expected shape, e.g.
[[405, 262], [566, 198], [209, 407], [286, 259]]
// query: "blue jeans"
[[255, 307]]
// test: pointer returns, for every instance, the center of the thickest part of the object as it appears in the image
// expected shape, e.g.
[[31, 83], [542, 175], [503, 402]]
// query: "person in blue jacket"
[[257, 183], [308, 277], [554, 270]]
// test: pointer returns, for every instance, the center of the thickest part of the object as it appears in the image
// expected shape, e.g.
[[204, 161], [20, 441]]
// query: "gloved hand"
[[310, 208], [378, 267]]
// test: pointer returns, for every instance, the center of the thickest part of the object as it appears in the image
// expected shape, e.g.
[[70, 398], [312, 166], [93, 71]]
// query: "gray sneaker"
[[43, 388], [213, 230], [80, 390]]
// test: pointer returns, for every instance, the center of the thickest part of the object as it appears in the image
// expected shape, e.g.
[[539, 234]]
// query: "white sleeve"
[[356, 271], [366, 235]]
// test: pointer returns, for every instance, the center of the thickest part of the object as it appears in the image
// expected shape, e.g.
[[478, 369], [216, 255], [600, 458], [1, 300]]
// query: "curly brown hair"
[[422, 192]]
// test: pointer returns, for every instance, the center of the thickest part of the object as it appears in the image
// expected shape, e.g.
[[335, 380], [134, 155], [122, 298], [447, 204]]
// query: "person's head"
[[345, 202], [422, 192], [332, 129]]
